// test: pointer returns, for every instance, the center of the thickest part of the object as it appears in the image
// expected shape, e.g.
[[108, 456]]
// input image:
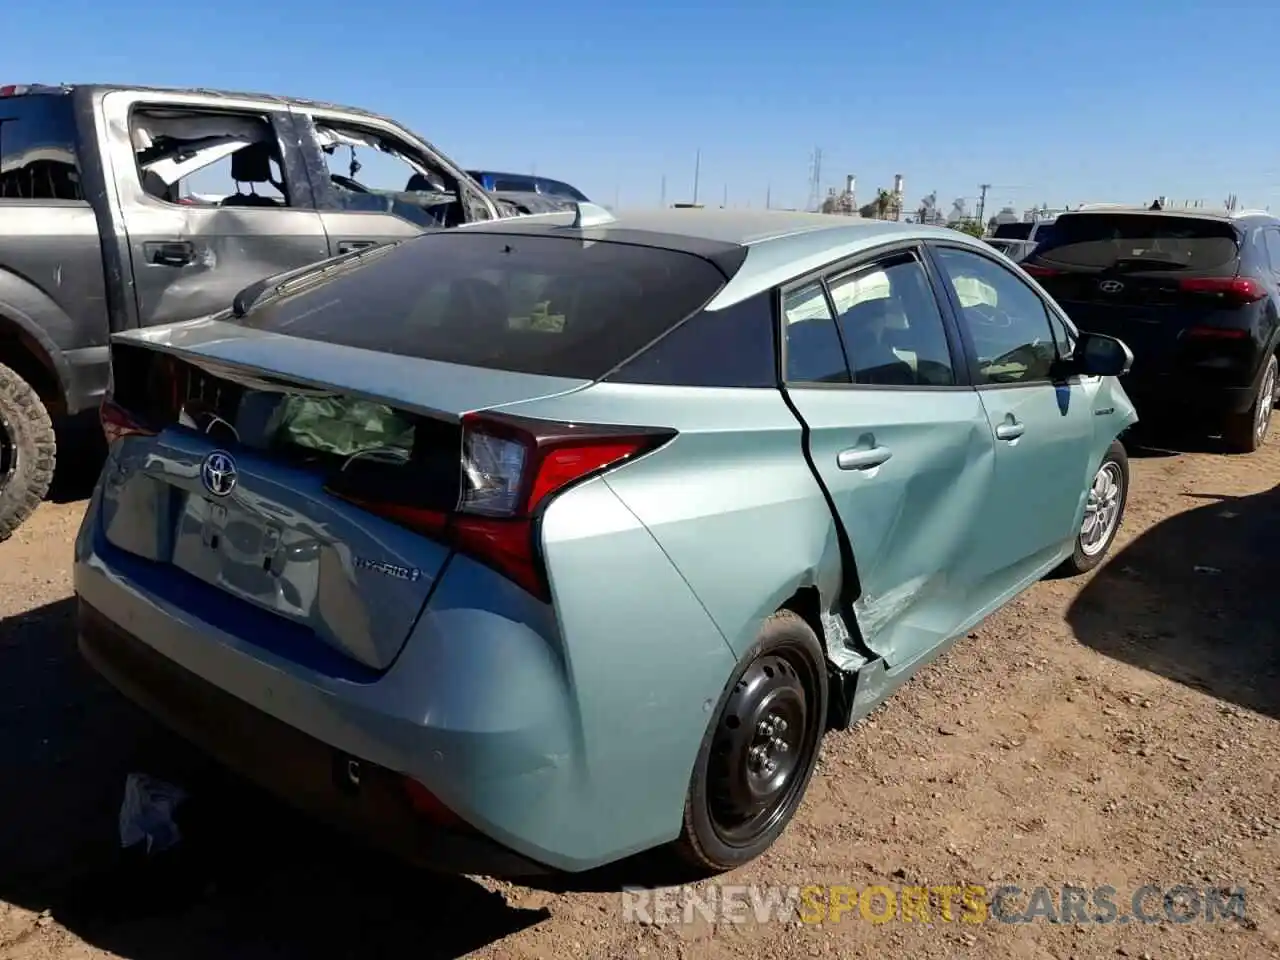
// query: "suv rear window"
[[1137, 241], [530, 304], [38, 148]]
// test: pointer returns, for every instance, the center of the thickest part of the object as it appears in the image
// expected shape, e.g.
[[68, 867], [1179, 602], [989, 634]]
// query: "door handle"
[[862, 458], [351, 246], [170, 253], [1011, 430]]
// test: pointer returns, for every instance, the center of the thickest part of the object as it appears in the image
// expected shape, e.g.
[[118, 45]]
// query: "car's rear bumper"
[[571, 753], [347, 792]]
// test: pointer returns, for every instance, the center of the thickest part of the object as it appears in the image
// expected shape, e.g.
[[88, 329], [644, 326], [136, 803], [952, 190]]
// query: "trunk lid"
[[263, 442]]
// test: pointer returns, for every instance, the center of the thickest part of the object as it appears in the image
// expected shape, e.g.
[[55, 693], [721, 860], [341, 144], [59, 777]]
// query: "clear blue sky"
[[1053, 102]]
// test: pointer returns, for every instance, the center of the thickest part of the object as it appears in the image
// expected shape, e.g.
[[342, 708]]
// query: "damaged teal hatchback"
[[533, 544]]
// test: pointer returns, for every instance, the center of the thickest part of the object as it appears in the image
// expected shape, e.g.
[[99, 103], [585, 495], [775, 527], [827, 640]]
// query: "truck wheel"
[[760, 750], [1248, 431], [27, 451]]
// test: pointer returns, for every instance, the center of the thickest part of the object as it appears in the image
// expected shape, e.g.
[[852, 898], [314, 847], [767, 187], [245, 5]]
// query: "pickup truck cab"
[[124, 207]]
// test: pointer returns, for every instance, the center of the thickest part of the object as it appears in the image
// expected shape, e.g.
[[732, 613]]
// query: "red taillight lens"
[[427, 805], [1038, 271], [117, 422], [511, 469], [1233, 289], [1217, 333]]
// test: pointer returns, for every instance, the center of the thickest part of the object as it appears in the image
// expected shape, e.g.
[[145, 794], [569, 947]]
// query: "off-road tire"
[[1240, 431], [31, 436], [1081, 562], [700, 846]]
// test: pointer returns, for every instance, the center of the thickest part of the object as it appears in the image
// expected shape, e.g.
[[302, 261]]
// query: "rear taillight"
[[1038, 271], [1236, 290], [511, 469], [117, 422], [430, 807], [1217, 333]]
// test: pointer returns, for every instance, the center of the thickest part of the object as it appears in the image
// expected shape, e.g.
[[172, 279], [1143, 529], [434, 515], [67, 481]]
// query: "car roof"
[[101, 88], [1195, 213], [779, 245]]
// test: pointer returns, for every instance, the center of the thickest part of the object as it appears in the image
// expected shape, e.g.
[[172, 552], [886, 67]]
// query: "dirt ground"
[[1121, 729]]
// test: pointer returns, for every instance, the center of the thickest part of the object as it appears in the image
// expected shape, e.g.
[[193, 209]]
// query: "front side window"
[[1006, 320], [892, 326], [38, 149], [372, 172], [814, 354]]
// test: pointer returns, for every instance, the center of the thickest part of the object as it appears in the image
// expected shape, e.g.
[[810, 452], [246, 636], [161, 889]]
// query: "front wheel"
[[760, 750], [1103, 511]]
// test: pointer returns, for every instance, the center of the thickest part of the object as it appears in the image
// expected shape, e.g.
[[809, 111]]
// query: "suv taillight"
[[511, 469], [1235, 290]]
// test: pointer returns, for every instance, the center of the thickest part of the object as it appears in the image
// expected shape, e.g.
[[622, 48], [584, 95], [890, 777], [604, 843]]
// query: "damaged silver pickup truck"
[[124, 207]]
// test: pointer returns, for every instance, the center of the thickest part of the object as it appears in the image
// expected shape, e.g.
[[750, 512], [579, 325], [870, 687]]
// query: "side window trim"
[[953, 305], [962, 364]]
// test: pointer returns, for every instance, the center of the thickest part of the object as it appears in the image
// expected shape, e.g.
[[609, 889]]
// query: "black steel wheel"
[[760, 750]]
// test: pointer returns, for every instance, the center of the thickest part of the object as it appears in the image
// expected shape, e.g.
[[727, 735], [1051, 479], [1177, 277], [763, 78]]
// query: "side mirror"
[[1097, 355]]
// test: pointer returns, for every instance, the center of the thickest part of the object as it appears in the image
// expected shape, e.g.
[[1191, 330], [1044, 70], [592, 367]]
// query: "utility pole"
[[663, 201], [724, 204], [697, 173], [768, 196], [982, 204]]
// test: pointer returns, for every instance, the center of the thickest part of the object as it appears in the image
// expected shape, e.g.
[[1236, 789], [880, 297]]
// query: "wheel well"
[[806, 605], [25, 357]]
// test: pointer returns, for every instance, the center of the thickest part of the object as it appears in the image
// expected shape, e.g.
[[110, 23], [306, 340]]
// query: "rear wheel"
[[760, 751], [1103, 512], [1247, 432], [27, 450]]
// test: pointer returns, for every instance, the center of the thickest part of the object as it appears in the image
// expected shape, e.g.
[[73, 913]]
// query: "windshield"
[[1136, 241], [530, 304]]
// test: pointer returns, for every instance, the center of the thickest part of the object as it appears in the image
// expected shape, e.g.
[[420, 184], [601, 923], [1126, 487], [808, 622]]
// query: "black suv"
[[1195, 296]]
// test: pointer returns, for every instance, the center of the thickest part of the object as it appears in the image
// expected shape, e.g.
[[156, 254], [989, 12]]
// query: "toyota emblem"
[[1111, 286], [219, 473]]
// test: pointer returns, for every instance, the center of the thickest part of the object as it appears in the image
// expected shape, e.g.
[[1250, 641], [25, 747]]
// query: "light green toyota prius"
[[529, 545]]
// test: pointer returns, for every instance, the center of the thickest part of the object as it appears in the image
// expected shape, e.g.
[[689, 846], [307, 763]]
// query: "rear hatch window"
[[1140, 242], [545, 305]]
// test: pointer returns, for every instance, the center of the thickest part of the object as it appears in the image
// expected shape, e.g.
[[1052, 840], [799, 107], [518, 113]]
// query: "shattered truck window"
[[208, 158], [38, 149], [370, 172]]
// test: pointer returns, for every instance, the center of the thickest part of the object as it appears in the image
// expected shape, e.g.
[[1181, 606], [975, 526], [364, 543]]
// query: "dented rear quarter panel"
[[731, 500]]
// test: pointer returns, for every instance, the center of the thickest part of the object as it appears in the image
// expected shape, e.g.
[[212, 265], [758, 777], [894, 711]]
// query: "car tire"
[[1108, 502], [28, 449], [1246, 432], [773, 712]]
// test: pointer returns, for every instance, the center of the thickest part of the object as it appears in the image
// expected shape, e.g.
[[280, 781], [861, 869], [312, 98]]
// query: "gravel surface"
[[1120, 729]]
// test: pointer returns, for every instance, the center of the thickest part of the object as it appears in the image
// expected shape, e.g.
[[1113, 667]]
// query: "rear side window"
[[1138, 241], [547, 305], [38, 149], [732, 347]]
